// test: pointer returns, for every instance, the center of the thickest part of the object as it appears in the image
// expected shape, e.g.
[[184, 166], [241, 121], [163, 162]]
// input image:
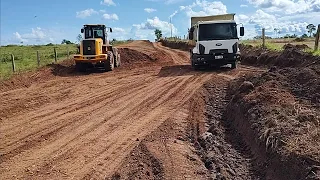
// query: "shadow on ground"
[[187, 70], [70, 70]]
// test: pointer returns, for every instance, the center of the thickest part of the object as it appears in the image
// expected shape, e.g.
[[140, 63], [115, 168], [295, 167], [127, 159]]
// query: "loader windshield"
[[94, 32], [217, 31]]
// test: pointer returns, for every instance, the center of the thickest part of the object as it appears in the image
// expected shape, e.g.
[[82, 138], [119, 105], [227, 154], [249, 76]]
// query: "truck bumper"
[[218, 60]]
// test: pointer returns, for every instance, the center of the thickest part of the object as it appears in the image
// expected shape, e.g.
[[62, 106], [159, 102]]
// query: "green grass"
[[26, 57], [277, 44]]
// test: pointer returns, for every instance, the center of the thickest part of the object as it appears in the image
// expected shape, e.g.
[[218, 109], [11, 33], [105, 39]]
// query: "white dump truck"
[[216, 41]]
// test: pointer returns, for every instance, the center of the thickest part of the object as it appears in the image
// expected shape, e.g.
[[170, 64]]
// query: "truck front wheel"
[[234, 65]]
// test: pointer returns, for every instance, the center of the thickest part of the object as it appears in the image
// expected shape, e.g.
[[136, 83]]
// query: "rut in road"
[[90, 132]]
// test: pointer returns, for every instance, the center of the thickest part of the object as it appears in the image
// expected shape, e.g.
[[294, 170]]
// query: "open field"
[[157, 118], [277, 44], [26, 57]]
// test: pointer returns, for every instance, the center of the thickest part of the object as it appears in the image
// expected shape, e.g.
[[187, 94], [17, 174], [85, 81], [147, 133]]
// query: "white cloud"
[[119, 34], [173, 14], [287, 24], [149, 10], [167, 2], [108, 2], [207, 8], [287, 6], [110, 16], [102, 11], [243, 5], [37, 35], [86, 13], [146, 29]]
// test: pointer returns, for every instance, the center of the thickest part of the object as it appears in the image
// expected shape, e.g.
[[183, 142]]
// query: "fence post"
[[263, 37], [68, 53], [13, 63], [316, 45], [38, 58], [55, 54]]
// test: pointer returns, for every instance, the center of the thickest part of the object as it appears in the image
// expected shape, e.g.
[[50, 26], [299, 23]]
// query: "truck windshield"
[[218, 31]]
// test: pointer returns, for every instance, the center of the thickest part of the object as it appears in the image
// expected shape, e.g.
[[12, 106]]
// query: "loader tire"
[[117, 58], [109, 64], [80, 67]]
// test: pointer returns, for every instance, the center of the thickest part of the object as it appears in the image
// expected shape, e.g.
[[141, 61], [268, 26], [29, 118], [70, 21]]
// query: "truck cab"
[[216, 41]]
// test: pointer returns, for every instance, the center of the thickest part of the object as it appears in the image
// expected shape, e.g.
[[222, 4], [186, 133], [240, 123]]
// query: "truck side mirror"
[[191, 33], [241, 31], [110, 29], [82, 30]]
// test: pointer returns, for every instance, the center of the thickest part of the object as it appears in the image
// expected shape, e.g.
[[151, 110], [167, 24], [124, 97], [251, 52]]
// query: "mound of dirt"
[[26, 79], [281, 111], [291, 56], [298, 46], [185, 46]]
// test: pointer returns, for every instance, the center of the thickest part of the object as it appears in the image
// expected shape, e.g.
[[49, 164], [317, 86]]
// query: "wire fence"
[[15, 58]]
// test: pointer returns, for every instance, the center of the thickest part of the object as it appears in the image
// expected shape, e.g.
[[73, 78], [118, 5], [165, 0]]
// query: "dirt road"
[[86, 126]]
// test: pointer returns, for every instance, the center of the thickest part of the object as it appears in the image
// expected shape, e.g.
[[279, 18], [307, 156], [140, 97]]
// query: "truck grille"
[[218, 51], [89, 47]]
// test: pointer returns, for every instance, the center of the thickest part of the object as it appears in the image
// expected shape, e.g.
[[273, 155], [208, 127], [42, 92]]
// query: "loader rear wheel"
[[109, 64]]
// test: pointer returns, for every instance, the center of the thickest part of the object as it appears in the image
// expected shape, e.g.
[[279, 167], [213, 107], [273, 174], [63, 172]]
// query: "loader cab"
[[95, 31]]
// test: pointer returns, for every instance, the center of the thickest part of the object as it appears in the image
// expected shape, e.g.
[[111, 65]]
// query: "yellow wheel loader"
[[95, 51]]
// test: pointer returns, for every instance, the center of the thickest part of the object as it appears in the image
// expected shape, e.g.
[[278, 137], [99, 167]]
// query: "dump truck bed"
[[194, 20]]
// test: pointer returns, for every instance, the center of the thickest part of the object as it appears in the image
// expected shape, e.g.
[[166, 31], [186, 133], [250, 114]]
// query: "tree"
[[304, 36], [158, 33], [64, 41], [311, 28], [79, 38]]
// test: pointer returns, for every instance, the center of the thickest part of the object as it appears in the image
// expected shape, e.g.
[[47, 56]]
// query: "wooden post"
[[263, 37], [38, 58], [13, 63], [55, 55], [68, 53], [316, 45]]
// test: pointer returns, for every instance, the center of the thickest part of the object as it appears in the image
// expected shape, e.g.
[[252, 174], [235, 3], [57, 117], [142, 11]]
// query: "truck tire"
[[109, 64], [234, 65]]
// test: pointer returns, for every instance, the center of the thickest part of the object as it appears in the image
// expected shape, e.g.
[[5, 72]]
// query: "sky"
[[42, 22]]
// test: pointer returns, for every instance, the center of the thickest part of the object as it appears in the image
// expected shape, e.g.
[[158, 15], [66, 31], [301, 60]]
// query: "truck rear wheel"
[[109, 64]]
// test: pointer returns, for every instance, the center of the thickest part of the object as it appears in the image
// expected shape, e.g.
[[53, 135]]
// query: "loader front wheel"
[[109, 64], [80, 67], [118, 60]]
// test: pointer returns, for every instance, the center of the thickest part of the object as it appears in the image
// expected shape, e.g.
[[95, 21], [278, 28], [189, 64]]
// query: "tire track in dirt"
[[83, 137], [91, 132]]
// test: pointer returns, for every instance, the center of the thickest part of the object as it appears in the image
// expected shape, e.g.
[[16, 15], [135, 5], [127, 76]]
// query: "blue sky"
[[41, 22]]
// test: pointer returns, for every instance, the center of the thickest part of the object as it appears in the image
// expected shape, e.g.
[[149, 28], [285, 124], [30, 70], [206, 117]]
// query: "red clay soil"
[[132, 56], [282, 107], [272, 118], [177, 44], [291, 56]]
